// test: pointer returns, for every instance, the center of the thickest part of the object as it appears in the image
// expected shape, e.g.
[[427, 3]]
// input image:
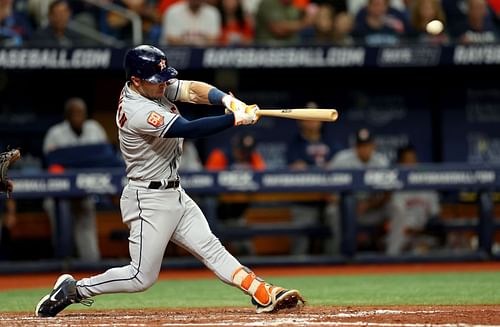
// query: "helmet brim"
[[163, 76]]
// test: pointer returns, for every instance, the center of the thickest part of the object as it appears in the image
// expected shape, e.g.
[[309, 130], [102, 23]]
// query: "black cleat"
[[63, 294]]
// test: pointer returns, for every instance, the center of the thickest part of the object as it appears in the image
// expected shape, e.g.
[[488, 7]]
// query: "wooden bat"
[[326, 115]]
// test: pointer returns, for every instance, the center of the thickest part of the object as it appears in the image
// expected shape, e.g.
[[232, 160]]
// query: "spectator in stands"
[[354, 6], [310, 148], [191, 22], [410, 210], [15, 27], [241, 156], [57, 33], [120, 26], [421, 13], [190, 158], [279, 22], [343, 26], [479, 26], [237, 26], [76, 130], [163, 5], [331, 28], [378, 24], [371, 208]]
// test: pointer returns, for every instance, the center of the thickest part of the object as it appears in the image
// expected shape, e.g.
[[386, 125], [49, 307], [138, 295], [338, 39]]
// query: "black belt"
[[155, 185]]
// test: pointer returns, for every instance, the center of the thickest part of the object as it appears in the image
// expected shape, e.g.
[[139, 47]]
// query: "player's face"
[[148, 89], [365, 151]]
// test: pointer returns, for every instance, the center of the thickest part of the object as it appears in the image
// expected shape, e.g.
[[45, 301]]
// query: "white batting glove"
[[247, 116], [233, 104]]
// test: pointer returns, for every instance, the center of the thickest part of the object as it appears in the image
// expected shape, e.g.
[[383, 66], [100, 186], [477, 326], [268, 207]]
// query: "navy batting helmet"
[[148, 63]]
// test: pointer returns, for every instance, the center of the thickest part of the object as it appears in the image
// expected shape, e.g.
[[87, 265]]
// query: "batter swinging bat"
[[327, 115]]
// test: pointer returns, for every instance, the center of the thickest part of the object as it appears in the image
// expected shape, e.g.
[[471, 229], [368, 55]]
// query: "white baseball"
[[434, 27]]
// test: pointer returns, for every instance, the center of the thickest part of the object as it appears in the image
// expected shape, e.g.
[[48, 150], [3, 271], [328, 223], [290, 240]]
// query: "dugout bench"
[[483, 180]]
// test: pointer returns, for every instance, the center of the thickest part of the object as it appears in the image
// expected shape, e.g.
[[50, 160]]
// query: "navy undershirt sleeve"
[[199, 127]]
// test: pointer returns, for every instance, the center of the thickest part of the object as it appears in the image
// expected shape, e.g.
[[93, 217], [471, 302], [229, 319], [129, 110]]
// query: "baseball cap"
[[364, 136]]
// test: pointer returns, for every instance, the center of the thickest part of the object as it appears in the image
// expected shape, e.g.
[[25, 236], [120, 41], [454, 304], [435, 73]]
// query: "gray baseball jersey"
[[147, 153], [155, 216]]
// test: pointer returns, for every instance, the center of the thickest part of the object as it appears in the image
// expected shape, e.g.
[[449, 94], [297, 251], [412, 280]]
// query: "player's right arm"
[[205, 126], [167, 124], [202, 93]]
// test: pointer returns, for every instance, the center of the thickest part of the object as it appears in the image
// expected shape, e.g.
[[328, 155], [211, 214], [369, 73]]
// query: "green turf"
[[426, 289]]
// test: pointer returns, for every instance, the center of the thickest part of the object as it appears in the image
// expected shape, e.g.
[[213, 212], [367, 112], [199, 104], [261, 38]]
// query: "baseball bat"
[[326, 115]]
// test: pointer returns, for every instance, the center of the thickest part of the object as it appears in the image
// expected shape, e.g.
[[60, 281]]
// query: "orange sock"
[[246, 280]]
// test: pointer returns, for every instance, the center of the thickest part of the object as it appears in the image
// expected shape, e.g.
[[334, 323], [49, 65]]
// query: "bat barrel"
[[326, 115]]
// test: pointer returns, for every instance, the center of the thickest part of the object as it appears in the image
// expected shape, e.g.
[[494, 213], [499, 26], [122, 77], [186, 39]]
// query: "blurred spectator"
[[378, 24], [343, 26], [163, 5], [237, 26], [331, 28], [191, 22], [479, 26], [8, 220], [311, 148], [190, 158], [371, 207], [120, 26], [410, 211], [279, 22], [354, 6], [421, 13], [242, 155], [76, 130], [15, 27], [57, 34]]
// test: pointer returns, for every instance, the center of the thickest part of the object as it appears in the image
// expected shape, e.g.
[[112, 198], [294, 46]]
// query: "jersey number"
[[121, 118]]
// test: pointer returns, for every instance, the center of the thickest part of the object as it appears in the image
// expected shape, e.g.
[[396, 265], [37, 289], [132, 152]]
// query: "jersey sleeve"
[[152, 122], [173, 90]]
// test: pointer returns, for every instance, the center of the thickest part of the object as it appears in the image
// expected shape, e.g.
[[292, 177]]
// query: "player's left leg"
[[194, 234]]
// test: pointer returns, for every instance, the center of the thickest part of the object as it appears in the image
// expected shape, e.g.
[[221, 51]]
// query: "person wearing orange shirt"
[[243, 155], [237, 26]]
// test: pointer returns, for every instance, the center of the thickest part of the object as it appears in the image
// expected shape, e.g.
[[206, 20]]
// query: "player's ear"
[[135, 80]]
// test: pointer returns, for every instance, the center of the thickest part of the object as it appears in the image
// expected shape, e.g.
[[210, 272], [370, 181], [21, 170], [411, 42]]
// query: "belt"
[[155, 185]]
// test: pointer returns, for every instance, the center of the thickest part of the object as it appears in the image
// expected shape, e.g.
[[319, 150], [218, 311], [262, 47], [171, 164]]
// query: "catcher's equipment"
[[148, 63], [6, 159]]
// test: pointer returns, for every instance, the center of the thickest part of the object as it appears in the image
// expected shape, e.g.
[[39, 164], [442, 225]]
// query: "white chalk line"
[[295, 319]]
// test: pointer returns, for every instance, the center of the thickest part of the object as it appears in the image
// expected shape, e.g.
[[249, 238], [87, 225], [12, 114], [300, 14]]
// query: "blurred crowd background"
[[65, 119], [245, 22]]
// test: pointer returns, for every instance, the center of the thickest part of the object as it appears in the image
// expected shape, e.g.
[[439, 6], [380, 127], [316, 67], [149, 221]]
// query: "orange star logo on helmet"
[[162, 64]]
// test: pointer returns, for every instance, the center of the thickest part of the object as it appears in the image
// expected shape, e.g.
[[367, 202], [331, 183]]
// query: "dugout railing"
[[484, 180]]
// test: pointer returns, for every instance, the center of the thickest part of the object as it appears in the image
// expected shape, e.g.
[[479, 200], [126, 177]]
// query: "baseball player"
[[153, 204]]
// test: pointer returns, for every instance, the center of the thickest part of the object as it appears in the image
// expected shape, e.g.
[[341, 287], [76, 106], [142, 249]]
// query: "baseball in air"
[[434, 27]]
